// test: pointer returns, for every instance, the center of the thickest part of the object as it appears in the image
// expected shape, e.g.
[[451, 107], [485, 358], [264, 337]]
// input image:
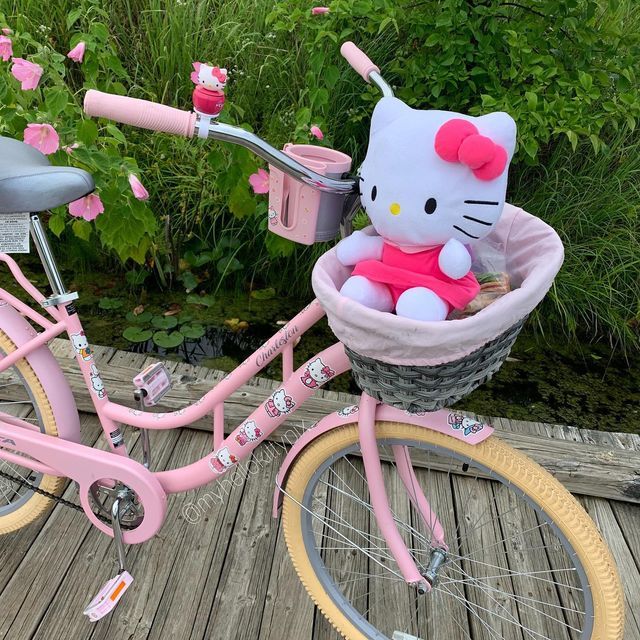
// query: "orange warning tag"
[[108, 597]]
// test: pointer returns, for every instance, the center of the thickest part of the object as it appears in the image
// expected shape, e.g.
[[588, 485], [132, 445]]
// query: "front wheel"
[[524, 559]]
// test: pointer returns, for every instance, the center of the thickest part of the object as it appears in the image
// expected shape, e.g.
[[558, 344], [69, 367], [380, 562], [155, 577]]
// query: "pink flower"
[[259, 181], [70, 147], [6, 48], [42, 137], [138, 188], [317, 11], [7, 31], [77, 53], [316, 131], [28, 73], [89, 207]]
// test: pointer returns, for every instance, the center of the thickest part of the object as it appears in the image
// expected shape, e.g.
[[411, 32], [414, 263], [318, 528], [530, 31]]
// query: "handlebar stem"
[[229, 133]]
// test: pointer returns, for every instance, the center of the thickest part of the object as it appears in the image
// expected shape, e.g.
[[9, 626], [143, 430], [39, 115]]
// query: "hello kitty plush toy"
[[208, 96], [432, 182]]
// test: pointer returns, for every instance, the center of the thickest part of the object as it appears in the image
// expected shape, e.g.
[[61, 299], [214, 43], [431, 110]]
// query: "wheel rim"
[[502, 598], [13, 495]]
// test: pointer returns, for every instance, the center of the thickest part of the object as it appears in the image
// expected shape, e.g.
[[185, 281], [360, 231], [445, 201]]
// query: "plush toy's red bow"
[[459, 141]]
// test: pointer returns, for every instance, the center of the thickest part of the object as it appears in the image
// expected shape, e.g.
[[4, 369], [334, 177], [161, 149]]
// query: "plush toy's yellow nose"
[[394, 208]]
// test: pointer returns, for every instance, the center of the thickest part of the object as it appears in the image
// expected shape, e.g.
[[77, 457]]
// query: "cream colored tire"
[[37, 504], [529, 477]]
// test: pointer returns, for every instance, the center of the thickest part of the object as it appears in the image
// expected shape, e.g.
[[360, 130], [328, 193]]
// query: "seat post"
[[46, 256]]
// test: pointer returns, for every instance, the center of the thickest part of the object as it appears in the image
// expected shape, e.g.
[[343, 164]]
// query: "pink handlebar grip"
[[358, 60], [139, 113]]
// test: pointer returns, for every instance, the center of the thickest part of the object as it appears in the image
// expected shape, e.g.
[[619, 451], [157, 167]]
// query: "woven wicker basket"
[[428, 388]]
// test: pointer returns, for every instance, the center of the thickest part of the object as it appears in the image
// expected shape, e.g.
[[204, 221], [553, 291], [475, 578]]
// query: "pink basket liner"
[[534, 255]]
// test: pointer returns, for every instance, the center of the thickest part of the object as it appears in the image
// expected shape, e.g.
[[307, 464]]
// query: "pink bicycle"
[[367, 494]]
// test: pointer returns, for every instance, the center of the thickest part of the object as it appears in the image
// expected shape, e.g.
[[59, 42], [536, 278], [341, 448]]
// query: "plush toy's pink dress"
[[401, 271]]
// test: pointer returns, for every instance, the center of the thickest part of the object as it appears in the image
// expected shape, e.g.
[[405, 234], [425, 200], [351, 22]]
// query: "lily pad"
[[192, 331], [164, 322], [168, 340], [141, 318], [263, 294], [137, 334], [206, 301]]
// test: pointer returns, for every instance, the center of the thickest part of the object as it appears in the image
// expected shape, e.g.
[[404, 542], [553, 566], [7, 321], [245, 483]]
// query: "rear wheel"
[[22, 395], [524, 561]]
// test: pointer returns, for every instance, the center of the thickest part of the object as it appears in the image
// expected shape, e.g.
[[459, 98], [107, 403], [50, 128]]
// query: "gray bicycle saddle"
[[29, 183]]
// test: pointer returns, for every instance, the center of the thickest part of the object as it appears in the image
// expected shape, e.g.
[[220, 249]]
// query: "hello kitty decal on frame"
[[316, 374], [249, 432], [432, 183], [96, 382], [279, 404], [81, 345], [222, 461]]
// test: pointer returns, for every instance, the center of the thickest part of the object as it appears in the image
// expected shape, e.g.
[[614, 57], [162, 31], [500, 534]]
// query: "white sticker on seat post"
[[14, 232]]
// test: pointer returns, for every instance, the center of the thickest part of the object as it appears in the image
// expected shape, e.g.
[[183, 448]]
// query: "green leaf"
[[573, 138], [532, 100], [189, 281], [137, 334], [82, 229], [241, 202], [263, 294], [100, 31], [141, 318], [57, 223], [168, 340], [87, 132], [73, 16], [114, 132], [205, 301], [164, 322], [55, 100], [110, 303], [228, 264], [192, 331]]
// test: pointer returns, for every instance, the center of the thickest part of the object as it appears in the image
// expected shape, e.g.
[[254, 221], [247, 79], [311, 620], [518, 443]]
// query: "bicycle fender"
[[48, 371], [451, 423]]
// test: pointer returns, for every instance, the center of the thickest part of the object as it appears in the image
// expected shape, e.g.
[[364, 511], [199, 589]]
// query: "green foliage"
[[127, 226], [559, 67]]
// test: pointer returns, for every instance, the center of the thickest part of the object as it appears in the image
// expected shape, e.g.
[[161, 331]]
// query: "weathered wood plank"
[[239, 602], [604, 470], [604, 515]]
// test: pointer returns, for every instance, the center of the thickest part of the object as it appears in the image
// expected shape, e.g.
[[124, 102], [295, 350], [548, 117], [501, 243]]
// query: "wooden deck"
[[228, 576]]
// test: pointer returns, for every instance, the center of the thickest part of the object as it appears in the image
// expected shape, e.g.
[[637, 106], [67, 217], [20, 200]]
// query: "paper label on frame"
[[14, 233]]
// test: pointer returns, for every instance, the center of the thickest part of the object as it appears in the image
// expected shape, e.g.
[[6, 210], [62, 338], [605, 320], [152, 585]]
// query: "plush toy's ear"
[[501, 128], [387, 111]]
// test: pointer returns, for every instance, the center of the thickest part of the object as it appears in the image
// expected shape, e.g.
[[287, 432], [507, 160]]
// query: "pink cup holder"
[[298, 211]]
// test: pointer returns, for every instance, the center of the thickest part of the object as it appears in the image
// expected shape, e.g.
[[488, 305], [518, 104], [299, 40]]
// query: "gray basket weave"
[[428, 388]]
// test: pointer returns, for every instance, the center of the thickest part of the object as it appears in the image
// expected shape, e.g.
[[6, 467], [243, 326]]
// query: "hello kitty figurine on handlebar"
[[432, 183], [208, 96]]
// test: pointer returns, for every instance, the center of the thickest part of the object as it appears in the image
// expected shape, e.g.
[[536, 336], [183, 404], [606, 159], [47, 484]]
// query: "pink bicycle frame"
[[86, 465]]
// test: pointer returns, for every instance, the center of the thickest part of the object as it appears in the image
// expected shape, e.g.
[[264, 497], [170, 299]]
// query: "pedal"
[[108, 597], [113, 590], [153, 383]]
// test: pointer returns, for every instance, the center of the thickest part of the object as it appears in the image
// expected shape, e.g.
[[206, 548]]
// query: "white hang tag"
[[14, 232], [108, 597]]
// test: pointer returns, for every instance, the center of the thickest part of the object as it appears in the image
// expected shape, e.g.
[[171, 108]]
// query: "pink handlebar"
[[139, 113], [358, 60]]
